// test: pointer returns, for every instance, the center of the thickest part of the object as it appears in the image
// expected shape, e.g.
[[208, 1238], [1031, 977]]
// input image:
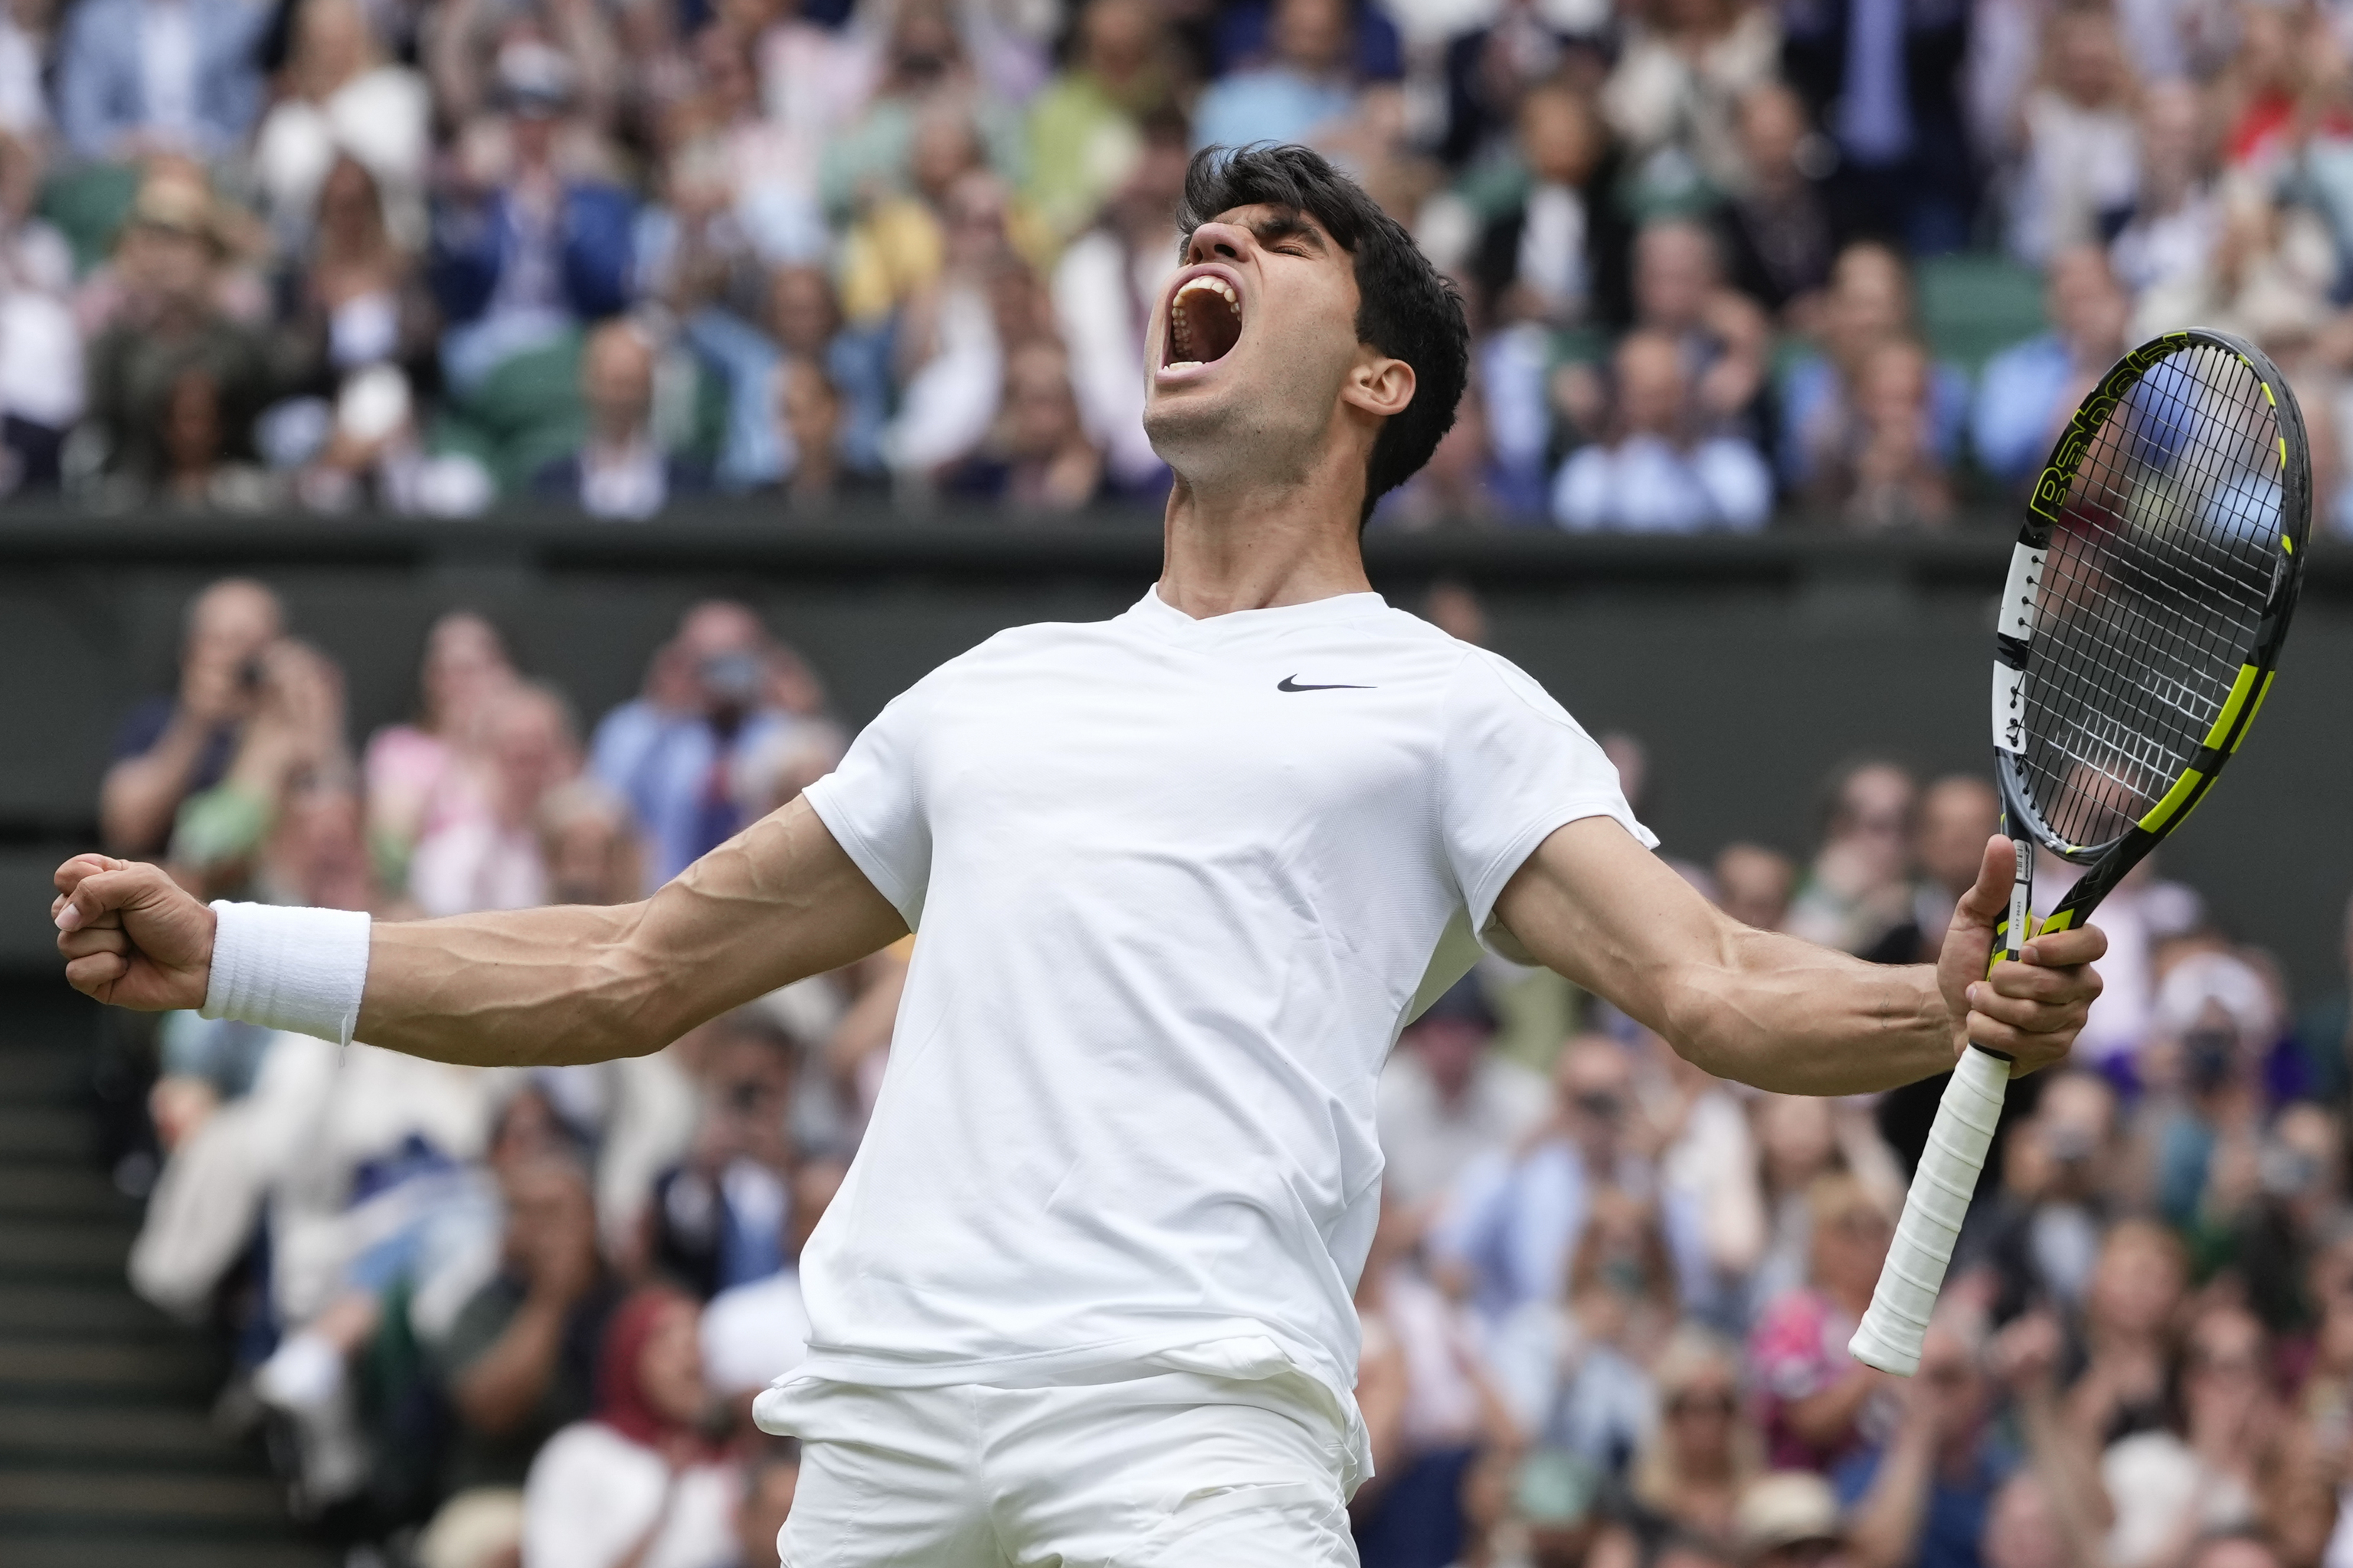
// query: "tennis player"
[[1181, 877]]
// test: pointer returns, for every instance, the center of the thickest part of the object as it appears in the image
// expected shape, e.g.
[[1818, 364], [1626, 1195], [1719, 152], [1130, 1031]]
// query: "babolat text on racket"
[[2138, 633]]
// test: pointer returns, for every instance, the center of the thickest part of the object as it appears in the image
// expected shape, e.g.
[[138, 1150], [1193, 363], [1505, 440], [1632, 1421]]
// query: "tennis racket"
[[2138, 633]]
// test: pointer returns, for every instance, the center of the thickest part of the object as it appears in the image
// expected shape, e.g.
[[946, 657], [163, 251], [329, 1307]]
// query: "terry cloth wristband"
[[301, 969]]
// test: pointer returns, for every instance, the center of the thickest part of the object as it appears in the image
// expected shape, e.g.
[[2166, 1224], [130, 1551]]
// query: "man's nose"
[[1218, 242]]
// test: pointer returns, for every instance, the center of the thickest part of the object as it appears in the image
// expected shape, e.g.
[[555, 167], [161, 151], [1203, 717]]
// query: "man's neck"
[[1230, 548]]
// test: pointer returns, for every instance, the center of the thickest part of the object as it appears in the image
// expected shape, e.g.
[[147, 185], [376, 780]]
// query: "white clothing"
[[1551, 258], [754, 1334], [1646, 485], [473, 863], [40, 359], [1436, 1338], [2080, 162], [592, 1495], [1174, 1470], [167, 70], [1426, 1142], [383, 118], [24, 111], [2155, 1483], [1102, 295], [952, 399], [1179, 885]]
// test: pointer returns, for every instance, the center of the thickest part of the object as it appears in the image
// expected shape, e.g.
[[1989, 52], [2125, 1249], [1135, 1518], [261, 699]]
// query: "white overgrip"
[[1890, 1332]]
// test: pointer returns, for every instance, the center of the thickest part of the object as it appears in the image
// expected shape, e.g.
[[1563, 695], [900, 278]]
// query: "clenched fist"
[[131, 936]]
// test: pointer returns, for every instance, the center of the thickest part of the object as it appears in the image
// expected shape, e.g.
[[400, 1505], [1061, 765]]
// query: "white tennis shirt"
[[1179, 884]]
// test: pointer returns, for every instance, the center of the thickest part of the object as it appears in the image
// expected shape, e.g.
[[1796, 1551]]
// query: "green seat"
[[86, 205], [1973, 306], [524, 415]]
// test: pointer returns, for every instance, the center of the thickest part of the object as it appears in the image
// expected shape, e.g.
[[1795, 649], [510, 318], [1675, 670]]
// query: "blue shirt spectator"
[[137, 76], [1649, 477], [671, 753], [2029, 391], [1304, 89], [517, 266]]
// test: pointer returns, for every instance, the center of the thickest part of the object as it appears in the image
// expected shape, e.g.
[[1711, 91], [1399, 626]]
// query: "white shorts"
[[1170, 1470]]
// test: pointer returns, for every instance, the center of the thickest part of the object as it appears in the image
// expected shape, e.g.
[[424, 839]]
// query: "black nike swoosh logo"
[[1291, 683]]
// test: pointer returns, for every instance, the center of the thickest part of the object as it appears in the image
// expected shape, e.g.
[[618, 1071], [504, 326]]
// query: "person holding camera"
[[171, 748], [716, 693]]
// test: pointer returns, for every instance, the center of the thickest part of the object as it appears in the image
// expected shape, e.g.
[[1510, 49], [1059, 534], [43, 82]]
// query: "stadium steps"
[[109, 1456]]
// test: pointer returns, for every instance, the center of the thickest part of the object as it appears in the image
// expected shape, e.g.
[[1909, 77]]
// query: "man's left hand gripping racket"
[[2148, 599]]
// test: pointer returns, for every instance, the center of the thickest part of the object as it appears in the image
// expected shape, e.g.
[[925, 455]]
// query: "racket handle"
[[1890, 1332]]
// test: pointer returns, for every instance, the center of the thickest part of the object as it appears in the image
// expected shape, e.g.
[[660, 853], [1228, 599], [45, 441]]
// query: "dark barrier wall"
[[1750, 666]]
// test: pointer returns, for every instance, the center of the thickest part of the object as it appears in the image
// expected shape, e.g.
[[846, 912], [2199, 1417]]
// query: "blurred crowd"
[[1856, 259], [515, 1318]]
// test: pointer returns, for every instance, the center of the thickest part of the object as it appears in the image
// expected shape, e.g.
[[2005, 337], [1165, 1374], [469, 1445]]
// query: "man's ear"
[[1378, 384]]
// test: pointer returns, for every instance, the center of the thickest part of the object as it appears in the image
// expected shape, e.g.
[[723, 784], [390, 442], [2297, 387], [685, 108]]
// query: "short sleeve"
[[874, 803], [1516, 767]]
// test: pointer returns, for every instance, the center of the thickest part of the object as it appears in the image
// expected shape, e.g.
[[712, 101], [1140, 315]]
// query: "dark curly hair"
[[1405, 308]]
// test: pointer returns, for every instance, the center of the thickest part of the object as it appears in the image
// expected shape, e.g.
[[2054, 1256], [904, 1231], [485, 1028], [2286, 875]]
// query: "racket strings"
[[2155, 581]]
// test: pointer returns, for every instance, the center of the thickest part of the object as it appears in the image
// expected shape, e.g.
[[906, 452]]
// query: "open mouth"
[[1205, 322]]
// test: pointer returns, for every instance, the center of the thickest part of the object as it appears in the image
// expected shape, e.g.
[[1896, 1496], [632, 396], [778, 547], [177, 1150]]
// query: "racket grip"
[[1890, 1332]]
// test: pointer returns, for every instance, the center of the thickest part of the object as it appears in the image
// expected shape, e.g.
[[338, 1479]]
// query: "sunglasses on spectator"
[[1697, 1403]]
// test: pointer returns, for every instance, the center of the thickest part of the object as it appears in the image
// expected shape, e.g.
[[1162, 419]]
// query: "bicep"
[[1594, 905]]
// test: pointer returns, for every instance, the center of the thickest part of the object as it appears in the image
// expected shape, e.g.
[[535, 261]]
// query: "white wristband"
[[301, 969]]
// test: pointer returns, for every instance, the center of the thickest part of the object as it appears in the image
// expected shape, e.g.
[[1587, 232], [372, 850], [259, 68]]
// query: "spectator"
[[136, 77], [1815, 1399], [521, 1357], [2076, 127], [1656, 475], [175, 383], [2137, 1291], [1672, 98], [1857, 889], [1446, 1096], [1884, 85], [342, 101], [1868, 303], [2171, 1485], [1038, 459], [1106, 286], [589, 845], [42, 365], [1924, 1495], [667, 753], [1086, 127], [1790, 1518], [1515, 1215], [485, 853], [807, 321], [1535, 260], [1754, 884], [525, 253], [1429, 1405], [929, 68], [1882, 468], [2030, 391], [294, 738], [1304, 89], [1777, 221], [640, 1486], [1575, 1372], [1679, 292], [2040, 1230], [954, 336], [2175, 220], [719, 1219], [414, 772], [171, 747], [1957, 813], [1703, 1451], [619, 472]]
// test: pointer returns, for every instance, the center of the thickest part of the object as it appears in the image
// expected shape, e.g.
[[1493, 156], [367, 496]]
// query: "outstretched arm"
[[1777, 1013], [777, 902]]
